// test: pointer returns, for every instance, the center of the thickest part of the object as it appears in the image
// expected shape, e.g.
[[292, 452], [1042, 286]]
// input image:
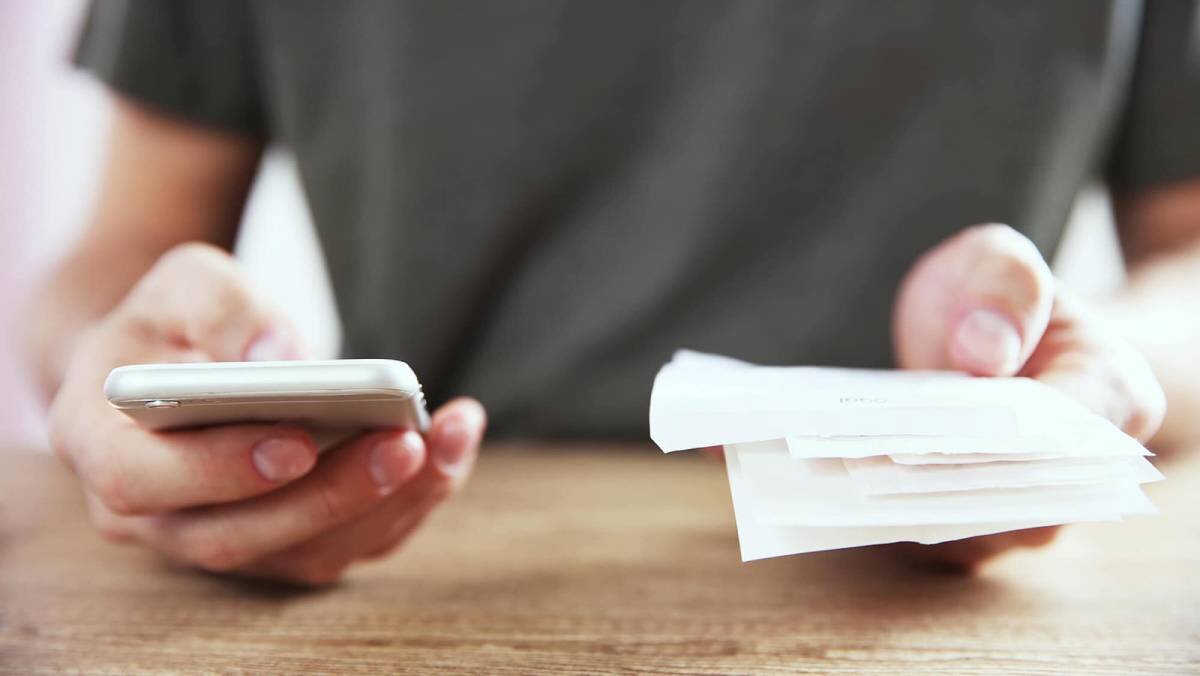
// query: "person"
[[535, 203]]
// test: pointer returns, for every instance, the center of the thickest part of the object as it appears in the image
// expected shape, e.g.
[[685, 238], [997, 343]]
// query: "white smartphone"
[[331, 398]]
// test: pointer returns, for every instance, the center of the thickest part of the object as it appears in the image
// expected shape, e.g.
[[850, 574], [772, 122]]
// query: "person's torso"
[[536, 202]]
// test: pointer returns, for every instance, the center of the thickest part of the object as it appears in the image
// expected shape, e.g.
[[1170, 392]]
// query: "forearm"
[[1159, 310], [165, 182], [1159, 307], [78, 292]]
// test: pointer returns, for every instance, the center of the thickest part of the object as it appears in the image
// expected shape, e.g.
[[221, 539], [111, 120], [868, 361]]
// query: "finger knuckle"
[[335, 507], [190, 255], [111, 487], [206, 547], [109, 526], [104, 521], [137, 322], [1020, 284], [1027, 275], [228, 301], [220, 463], [1139, 402], [1147, 411], [153, 305], [180, 262], [231, 297], [58, 431]]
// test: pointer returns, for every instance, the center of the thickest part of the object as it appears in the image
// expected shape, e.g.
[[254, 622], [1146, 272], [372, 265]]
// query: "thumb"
[[978, 302]]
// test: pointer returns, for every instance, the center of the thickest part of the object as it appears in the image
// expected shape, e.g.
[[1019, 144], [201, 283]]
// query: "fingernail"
[[283, 459], [273, 345], [395, 460], [452, 445], [988, 342]]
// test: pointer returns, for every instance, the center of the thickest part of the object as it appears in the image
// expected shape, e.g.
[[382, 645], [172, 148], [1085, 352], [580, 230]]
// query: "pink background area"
[[51, 120], [24, 39]]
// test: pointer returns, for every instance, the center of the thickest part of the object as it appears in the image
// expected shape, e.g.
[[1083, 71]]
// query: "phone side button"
[[162, 403]]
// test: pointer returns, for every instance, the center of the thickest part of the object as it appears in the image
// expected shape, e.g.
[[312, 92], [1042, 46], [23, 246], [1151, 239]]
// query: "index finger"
[[136, 471]]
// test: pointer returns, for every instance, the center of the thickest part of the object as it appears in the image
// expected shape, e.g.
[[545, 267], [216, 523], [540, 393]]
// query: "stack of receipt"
[[825, 458]]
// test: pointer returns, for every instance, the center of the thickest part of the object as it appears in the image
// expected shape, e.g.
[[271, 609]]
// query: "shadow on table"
[[884, 579], [254, 589]]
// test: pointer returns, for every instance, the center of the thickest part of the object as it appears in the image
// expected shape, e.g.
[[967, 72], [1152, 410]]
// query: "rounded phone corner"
[[393, 374], [114, 387]]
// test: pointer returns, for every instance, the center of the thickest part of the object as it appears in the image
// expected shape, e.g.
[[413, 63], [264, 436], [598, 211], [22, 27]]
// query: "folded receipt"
[[826, 458]]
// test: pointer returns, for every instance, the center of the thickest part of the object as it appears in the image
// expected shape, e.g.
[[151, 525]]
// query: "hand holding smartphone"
[[205, 462]]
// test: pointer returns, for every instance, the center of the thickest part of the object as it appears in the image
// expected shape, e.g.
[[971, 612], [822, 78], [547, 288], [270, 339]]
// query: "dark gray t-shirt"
[[536, 202]]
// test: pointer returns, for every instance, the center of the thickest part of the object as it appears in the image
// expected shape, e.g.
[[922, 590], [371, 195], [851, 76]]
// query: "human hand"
[[985, 302], [247, 499]]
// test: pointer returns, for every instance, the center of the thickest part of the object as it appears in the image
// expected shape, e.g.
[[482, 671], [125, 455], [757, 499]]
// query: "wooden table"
[[590, 559]]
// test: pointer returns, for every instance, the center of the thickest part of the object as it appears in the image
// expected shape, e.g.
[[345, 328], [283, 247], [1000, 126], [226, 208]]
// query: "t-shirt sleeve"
[[194, 59], [1159, 141]]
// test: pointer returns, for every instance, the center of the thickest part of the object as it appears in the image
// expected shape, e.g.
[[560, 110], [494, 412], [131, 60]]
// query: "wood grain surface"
[[594, 559]]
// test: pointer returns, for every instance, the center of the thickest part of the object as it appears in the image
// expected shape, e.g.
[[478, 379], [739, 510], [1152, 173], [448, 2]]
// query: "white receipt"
[[759, 540], [825, 458], [880, 475], [694, 405], [822, 493]]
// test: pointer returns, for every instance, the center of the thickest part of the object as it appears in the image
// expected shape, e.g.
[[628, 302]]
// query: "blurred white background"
[[53, 121], [52, 126]]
